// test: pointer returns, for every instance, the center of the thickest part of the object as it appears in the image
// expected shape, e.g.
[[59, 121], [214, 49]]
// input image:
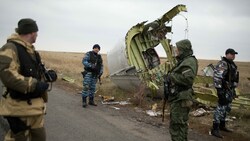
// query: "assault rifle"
[[49, 75], [99, 79]]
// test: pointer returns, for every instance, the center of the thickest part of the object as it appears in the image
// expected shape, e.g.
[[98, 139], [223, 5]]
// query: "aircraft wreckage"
[[135, 60]]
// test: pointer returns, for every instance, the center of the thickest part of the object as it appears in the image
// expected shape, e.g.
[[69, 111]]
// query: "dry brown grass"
[[70, 64], [243, 68]]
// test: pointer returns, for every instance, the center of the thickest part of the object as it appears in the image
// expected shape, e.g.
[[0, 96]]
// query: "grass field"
[[70, 65]]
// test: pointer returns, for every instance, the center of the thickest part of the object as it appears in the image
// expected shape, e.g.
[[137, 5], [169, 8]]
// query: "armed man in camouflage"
[[23, 104], [180, 80], [226, 78], [93, 69]]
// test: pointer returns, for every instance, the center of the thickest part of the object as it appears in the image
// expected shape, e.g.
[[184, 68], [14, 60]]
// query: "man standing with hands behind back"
[[23, 103]]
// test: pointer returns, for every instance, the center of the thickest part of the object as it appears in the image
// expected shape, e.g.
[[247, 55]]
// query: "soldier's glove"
[[41, 87]]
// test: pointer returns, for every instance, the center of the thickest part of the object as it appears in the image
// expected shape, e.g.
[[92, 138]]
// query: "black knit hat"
[[26, 26], [96, 46]]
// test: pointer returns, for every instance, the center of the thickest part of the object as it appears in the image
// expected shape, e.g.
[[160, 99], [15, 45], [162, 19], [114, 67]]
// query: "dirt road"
[[67, 120]]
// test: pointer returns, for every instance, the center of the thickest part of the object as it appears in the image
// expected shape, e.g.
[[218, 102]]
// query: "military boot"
[[215, 131], [223, 127], [91, 101], [84, 102]]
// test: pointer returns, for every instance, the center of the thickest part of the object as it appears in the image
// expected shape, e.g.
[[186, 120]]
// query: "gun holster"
[[16, 124], [84, 73], [225, 96]]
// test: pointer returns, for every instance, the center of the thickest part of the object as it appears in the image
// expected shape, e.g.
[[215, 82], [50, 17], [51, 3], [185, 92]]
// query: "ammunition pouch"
[[95, 73], [180, 94], [94, 70], [21, 96], [16, 124], [88, 69]]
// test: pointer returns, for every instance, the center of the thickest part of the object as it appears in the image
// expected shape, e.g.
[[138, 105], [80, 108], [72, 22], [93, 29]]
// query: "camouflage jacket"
[[182, 78], [90, 59], [183, 74], [226, 75], [11, 78]]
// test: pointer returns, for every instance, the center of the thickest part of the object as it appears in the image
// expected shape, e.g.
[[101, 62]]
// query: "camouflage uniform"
[[225, 80], [181, 80], [19, 112], [92, 74]]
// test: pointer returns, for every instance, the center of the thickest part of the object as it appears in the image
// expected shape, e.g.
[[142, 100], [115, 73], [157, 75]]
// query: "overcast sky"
[[75, 25]]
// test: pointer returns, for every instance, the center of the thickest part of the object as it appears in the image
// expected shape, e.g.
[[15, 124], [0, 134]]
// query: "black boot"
[[91, 101], [215, 131], [223, 127], [84, 102]]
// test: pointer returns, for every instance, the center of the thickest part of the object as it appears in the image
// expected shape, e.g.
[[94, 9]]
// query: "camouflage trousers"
[[89, 85], [36, 133], [220, 112], [178, 121]]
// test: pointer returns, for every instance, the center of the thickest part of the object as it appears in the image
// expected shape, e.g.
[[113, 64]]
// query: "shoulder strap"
[[38, 57], [20, 48]]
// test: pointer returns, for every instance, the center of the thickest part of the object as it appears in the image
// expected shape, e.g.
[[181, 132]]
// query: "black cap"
[[96, 46], [26, 26], [231, 51]]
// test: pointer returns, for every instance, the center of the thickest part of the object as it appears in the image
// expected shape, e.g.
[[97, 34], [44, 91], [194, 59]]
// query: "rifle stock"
[[166, 94], [163, 109]]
